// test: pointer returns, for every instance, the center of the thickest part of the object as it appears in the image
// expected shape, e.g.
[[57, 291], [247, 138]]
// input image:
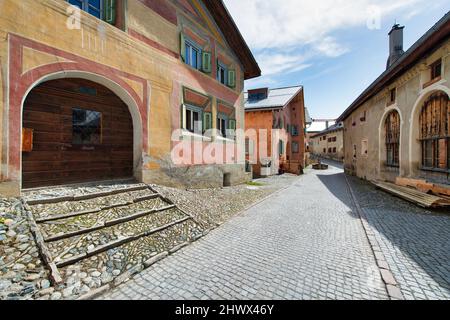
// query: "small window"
[[364, 147], [193, 55], [363, 117], [222, 124], [194, 119], [334, 150], [354, 151], [324, 150], [86, 127], [392, 96], [436, 69], [222, 73], [295, 147], [281, 147]]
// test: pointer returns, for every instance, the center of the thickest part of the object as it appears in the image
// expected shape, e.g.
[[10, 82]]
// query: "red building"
[[275, 122]]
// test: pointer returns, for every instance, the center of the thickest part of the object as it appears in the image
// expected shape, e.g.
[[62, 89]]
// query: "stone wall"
[[411, 92]]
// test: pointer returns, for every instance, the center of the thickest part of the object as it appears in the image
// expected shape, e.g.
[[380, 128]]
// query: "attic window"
[[392, 96], [436, 69], [256, 96]]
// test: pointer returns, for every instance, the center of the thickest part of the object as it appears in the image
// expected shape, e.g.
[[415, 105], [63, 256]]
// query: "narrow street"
[[306, 242]]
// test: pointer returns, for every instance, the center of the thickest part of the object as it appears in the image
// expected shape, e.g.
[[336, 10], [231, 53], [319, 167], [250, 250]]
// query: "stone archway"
[[78, 131], [122, 95], [415, 155], [382, 151]]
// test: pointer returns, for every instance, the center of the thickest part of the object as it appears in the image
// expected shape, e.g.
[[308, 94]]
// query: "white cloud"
[[277, 30]]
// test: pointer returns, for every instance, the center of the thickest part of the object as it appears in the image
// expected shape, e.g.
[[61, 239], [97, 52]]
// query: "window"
[[324, 150], [354, 151], [434, 133], [222, 124], [363, 117], [392, 96], [329, 150], [295, 147], [436, 69], [392, 130], [86, 127], [193, 55], [364, 147], [194, 117], [102, 9], [222, 73], [334, 150], [281, 147]]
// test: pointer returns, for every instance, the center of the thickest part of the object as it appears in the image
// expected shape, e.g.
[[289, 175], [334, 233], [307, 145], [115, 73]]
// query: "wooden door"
[[69, 149]]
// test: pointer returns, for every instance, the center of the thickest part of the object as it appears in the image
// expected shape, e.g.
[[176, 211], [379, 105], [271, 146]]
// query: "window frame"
[[85, 6], [221, 65], [219, 118], [430, 139], [191, 46], [193, 109], [392, 139], [433, 68], [100, 128]]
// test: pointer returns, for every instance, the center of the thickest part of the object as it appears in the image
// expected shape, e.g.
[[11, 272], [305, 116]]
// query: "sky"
[[334, 48]]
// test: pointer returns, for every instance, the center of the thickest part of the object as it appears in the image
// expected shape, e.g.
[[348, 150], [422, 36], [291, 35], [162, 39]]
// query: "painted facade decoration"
[[275, 122], [398, 128], [160, 58]]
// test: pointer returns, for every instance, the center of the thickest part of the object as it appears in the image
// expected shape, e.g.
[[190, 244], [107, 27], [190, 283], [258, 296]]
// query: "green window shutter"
[[232, 124], [109, 14], [206, 62], [231, 78], [182, 47], [207, 121]]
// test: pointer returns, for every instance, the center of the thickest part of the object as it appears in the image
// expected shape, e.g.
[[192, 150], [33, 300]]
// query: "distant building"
[[399, 126], [280, 114], [329, 143]]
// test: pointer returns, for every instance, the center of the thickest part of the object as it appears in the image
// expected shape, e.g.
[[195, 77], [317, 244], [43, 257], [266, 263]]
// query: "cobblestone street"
[[307, 242]]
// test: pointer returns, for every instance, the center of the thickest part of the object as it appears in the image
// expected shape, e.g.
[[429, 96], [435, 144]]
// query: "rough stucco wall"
[[409, 91]]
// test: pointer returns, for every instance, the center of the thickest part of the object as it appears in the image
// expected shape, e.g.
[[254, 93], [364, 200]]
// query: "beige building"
[[399, 126], [329, 143]]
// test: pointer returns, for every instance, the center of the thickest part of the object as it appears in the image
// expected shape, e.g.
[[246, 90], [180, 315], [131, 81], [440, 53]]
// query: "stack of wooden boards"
[[420, 192]]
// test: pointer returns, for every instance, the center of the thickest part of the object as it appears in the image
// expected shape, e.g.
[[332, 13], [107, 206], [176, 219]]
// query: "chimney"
[[395, 44], [327, 124]]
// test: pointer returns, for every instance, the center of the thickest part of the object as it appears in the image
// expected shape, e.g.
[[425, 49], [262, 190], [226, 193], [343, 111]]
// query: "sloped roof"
[[234, 37], [318, 126], [277, 98], [430, 40], [335, 127]]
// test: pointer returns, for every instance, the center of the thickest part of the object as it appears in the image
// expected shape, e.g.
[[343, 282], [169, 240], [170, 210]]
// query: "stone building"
[[277, 119], [93, 90], [329, 143], [399, 126]]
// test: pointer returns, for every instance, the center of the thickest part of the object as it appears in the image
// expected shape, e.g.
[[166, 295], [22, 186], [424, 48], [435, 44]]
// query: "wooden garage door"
[[81, 132]]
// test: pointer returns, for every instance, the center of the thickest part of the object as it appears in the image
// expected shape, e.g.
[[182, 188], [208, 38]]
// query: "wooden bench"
[[412, 195]]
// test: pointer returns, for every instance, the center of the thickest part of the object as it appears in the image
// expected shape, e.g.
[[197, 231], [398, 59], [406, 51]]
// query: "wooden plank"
[[117, 243], [412, 195], [108, 224]]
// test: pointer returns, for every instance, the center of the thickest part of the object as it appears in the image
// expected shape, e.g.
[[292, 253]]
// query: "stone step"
[[116, 243], [98, 218], [96, 210], [48, 211], [86, 196], [76, 244]]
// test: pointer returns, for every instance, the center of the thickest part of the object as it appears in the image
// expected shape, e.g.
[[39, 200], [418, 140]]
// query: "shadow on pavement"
[[421, 235]]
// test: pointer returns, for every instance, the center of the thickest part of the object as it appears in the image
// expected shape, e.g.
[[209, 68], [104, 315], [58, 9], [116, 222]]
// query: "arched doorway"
[[77, 131]]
